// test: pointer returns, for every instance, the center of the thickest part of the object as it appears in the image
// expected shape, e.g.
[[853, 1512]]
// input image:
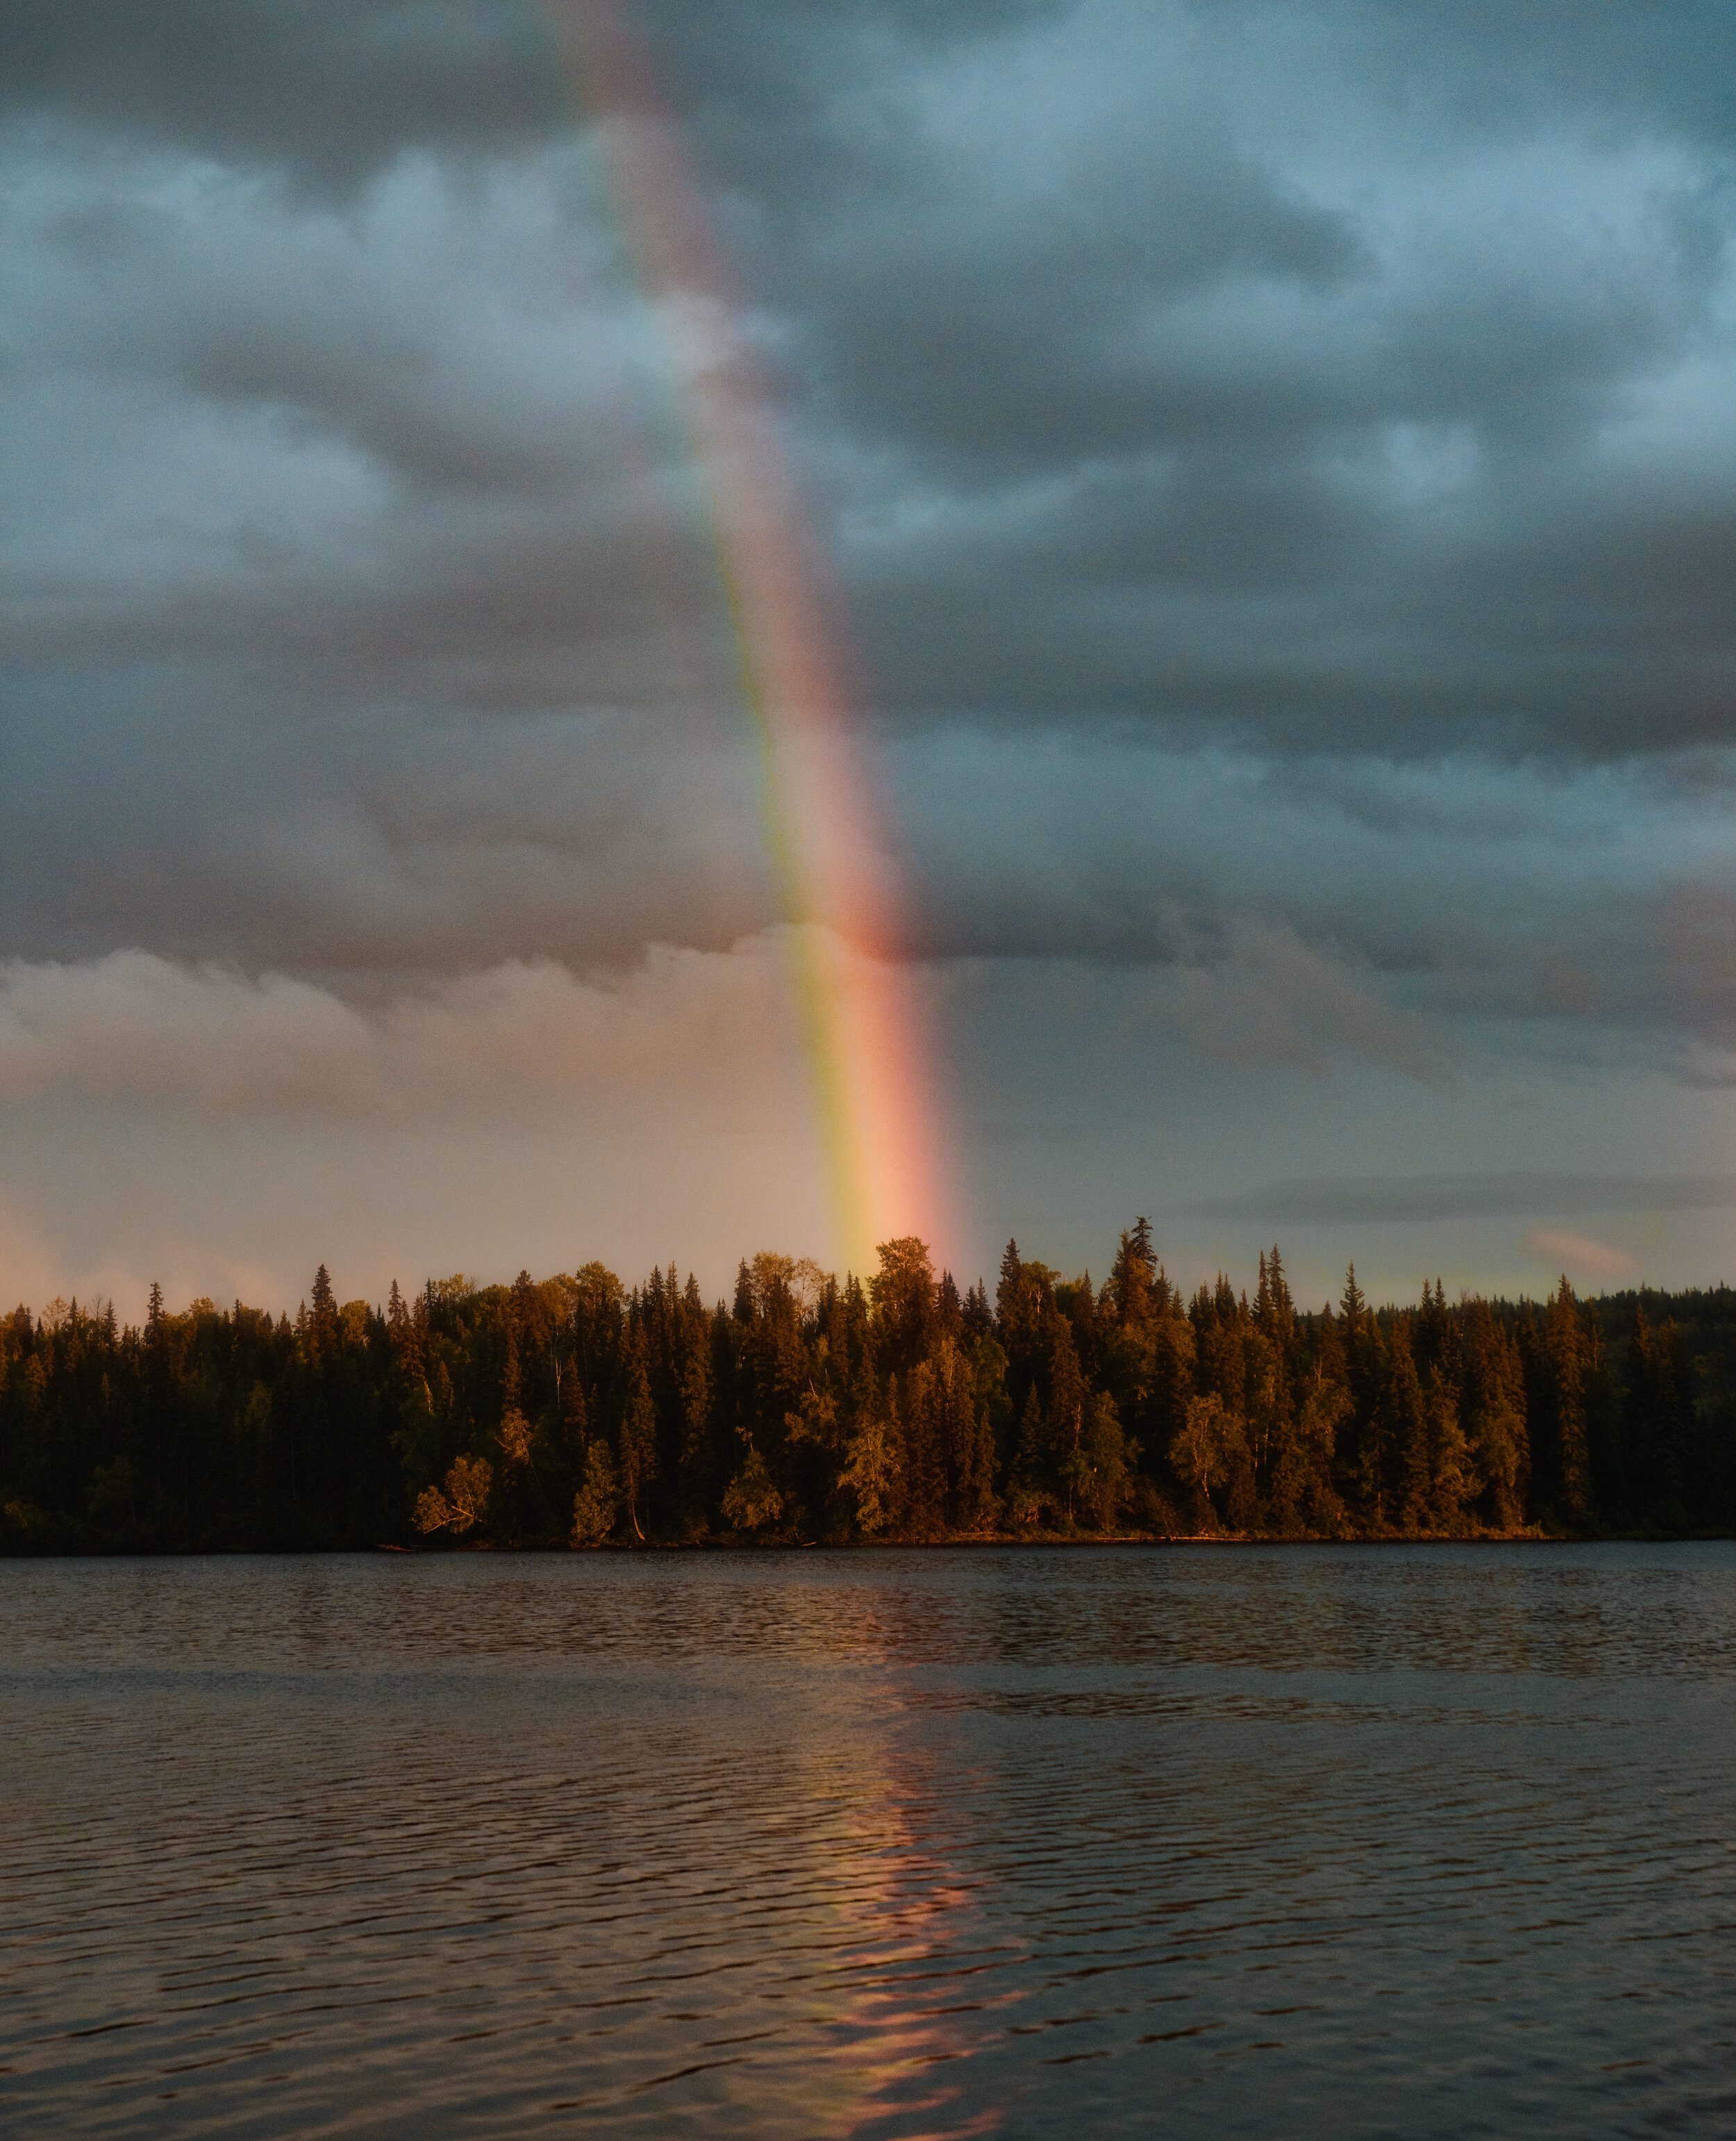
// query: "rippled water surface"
[[1191, 1841]]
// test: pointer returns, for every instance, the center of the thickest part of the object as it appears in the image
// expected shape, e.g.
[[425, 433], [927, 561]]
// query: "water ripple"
[[1419, 1841]]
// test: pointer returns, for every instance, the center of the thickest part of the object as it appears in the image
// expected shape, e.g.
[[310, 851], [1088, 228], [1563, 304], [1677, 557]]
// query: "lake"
[[1189, 1840]]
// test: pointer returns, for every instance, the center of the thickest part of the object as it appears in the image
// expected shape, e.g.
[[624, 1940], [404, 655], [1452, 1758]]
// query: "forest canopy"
[[580, 1411]]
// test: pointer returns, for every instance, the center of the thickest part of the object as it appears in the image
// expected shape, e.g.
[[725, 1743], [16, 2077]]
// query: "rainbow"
[[856, 1009]]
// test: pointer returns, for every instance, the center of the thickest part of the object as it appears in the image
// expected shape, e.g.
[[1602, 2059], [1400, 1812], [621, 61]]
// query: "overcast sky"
[[1276, 466]]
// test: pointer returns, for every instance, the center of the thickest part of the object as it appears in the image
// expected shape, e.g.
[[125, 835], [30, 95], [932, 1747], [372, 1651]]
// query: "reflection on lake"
[[1197, 1841]]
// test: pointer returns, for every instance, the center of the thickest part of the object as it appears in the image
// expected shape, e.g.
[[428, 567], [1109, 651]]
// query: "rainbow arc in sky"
[[854, 998]]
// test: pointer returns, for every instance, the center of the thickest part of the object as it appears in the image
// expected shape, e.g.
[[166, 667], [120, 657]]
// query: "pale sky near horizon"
[[1276, 468]]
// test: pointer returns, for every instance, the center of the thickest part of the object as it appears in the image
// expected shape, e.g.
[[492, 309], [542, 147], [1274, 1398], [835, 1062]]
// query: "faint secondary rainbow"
[[855, 1003]]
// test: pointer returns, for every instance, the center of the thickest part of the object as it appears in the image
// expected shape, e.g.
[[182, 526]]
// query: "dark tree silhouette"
[[577, 1410]]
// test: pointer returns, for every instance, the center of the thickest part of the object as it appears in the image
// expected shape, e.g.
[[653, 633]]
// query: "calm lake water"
[[1188, 1841]]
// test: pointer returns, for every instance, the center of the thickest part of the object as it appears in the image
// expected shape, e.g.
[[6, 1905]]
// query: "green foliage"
[[1207, 1449], [1102, 1464], [597, 1505], [871, 1477], [462, 1503], [751, 1500]]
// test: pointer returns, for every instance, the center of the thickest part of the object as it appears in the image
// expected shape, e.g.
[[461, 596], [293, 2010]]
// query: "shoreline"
[[967, 1542]]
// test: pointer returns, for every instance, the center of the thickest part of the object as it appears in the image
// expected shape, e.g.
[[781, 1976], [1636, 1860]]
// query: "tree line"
[[577, 1410]]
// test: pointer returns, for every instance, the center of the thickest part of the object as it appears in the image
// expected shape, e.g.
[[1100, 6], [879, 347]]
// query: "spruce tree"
[[1568, 1354]]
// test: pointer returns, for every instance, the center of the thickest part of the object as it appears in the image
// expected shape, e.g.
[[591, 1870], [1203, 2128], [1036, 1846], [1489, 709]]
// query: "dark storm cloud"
[[1124, 397], [1216, 528], [328, 89], [1486, 66], [1278, 458], [1168, 384]]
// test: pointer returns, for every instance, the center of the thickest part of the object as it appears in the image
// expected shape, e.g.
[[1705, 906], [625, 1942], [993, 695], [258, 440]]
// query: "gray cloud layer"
[[1436, 1197], [1307, 375]]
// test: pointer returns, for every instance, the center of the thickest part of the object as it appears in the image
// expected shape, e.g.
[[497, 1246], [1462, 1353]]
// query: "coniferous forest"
[[578, 1411]]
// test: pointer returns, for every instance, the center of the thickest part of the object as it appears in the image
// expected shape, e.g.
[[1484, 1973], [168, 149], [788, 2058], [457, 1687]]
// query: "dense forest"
[[578, 1411]]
